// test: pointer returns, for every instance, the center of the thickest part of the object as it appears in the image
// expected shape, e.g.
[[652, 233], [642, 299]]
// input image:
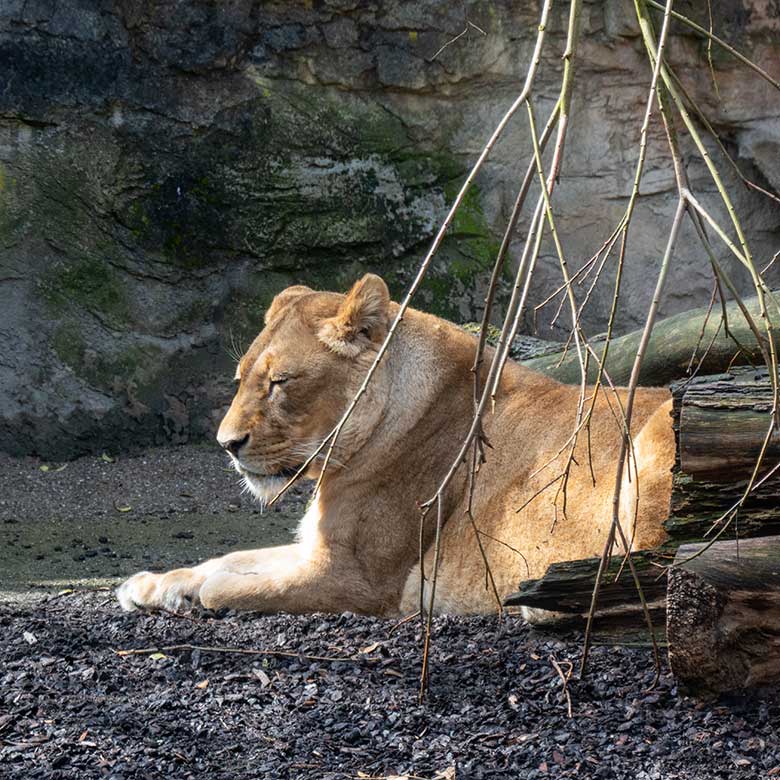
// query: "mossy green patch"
[[13, 214], [128, 365], [468, 252], [183, 217], [90, 283], [476, 241], [68, 343], [304, 119]]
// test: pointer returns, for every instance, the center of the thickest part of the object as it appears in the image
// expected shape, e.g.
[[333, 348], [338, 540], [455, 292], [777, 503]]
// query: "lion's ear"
[[361, 318], [284, 298]]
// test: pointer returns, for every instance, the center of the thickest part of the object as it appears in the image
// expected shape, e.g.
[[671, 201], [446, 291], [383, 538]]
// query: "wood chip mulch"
[[71, 707]]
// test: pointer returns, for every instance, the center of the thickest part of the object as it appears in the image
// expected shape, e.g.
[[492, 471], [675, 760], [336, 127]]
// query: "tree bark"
[[720, 423], [723, 615], [567, 586], [723, 423]]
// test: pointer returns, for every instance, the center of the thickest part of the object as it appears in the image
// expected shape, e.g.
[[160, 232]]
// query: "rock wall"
[[166, 167]]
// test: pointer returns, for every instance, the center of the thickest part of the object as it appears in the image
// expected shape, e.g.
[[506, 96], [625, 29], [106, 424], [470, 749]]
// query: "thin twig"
[[241, 651], [403, 621], [565, 677], [469, 26]]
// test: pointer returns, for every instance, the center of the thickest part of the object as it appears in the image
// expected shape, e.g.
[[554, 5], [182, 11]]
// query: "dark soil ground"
[[71, 707], [96, 520]]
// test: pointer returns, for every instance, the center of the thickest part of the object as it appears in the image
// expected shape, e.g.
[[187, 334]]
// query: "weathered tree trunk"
[[669, 351], [723, 615], [567, 588], [720, 424], [723, 423]]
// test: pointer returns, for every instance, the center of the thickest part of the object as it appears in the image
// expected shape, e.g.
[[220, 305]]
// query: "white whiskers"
[[265, 487]]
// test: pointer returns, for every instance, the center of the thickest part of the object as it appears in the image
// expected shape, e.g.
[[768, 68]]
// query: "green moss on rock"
[[90, 283], [68, 344], [129, 364]]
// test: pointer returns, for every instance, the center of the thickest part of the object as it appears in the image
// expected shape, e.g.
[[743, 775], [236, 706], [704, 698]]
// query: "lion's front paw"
[[176, 591], [136, 592]]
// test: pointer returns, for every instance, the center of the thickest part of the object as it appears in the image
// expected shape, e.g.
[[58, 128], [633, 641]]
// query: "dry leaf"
[[65, 592], [445, 774], [265, 680], [158, 656], [203, 684], [83, 735], [370, 649], [46, 467], [393, 673]]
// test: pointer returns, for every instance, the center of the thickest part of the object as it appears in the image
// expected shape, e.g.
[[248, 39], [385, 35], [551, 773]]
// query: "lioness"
[[357, 545]]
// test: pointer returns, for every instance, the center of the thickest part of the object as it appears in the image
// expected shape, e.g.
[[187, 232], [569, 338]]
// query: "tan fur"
[[358, 543]]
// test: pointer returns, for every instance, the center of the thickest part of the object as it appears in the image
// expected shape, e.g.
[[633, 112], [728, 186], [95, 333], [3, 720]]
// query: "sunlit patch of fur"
[[308, 533]]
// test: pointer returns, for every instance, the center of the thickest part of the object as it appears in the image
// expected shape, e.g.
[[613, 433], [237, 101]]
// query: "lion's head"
[[297, 378]]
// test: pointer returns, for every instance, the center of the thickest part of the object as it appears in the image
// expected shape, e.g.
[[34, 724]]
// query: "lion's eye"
[[278, 380]]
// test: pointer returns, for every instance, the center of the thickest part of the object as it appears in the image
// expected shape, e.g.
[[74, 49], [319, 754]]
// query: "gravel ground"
[[93, 521], [70, 707]]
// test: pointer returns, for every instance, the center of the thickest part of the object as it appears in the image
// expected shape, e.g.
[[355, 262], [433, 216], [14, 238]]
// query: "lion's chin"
[[264, 489]]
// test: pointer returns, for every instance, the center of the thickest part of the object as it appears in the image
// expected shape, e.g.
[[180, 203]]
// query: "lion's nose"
[[233, 445]]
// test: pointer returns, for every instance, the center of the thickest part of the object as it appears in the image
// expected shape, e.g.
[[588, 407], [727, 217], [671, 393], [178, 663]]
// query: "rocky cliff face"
[[167, 167]]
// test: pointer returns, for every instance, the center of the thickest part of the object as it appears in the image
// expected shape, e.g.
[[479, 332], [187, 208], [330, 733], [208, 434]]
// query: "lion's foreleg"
[[179, 589], [273, 579], [290, 581]]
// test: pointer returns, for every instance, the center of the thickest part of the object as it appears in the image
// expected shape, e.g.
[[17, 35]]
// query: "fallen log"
[[565, 593], [724, 420], [567, 587], [723, 615], [668, 354]]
